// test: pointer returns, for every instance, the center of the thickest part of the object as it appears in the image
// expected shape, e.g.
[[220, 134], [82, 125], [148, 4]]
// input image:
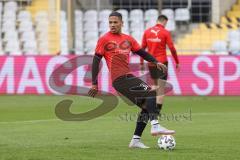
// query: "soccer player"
[[115, 47], [155, 40]]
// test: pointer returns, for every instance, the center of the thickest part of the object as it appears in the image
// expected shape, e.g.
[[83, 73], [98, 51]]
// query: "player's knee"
[[154, 87], [160, 99]]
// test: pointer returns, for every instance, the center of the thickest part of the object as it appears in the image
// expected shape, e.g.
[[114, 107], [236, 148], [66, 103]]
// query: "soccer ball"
[[166, 142]]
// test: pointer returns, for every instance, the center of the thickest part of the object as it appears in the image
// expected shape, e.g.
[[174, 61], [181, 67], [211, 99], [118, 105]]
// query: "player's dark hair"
[[116, 14], [162, 18]]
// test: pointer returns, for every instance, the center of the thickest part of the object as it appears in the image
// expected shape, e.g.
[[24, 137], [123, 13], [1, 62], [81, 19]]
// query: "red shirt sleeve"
[[100, 47], [172, 48], [135, 46]]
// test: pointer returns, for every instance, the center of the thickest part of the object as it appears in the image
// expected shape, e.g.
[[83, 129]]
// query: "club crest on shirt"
[[110, 46], [125, 45], [122, 46]]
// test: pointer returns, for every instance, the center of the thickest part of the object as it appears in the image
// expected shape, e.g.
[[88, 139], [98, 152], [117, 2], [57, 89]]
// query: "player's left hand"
[[142, 68], [162, 67], [178, 67]]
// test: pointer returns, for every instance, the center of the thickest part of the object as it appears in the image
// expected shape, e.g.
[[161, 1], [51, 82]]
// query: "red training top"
[[155, 40], [116, 48]]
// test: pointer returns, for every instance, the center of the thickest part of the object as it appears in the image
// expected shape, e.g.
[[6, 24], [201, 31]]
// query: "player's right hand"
[[178, 67], [162, 67], [93, 91]]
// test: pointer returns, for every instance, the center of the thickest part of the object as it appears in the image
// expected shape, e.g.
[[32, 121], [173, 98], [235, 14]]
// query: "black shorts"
[[156, 73], [133, 88]]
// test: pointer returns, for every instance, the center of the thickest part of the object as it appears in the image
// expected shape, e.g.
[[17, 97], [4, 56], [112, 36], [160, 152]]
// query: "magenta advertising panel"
[[199, 75]]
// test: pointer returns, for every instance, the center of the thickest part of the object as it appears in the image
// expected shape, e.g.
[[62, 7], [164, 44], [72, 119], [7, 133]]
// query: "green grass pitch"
[[29, 130]]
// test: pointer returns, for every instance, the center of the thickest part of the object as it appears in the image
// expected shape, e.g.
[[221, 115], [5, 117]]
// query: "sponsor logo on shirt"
[[154, 39], [155, 32], [122, 46]]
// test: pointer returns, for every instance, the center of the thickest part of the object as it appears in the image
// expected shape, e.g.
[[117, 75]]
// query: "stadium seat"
[[11, 5], [64, 47], [234, 47], [42, 36], [6, 28], [43, 47], [25, 26], [104, 14], [79, 46], [137, 26], [206, 53], [28, 36], [234, 35], [151, 15], [234, 14], [90, 35], [220, 47], [136, 15], [169, 13], [78, 15], [41, 16], [150, 23], [1, 7], [90, 15], [138, 36], [90, 26], [9, 16], [30, 48], [124, 13], [78, 25], [171, 25], [42, 26], [12, 47], [103, 27], [64, 34], [1, 49], [182, 14], [63, 15], [79, 35], [24, 16], [9, 23], [90, 47], [10, 36]]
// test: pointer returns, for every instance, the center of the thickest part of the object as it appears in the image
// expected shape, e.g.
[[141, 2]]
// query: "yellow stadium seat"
[[202, 38], [233, 14], [224, 20], [203, 26], [236, 7], [233, 20]]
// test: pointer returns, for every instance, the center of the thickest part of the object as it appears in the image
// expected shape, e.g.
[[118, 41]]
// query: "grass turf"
[[207, 128]]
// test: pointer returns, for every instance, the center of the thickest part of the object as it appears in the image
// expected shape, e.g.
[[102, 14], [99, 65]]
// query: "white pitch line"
[[31, 121], [43, 120], [193, 114]]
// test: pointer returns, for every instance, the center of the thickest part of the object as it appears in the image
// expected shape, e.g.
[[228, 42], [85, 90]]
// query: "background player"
[[115, 47], [155, 40]]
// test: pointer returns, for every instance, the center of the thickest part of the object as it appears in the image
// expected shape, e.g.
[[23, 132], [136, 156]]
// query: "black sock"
[[159, 108], [152, 108], [141, 123]]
